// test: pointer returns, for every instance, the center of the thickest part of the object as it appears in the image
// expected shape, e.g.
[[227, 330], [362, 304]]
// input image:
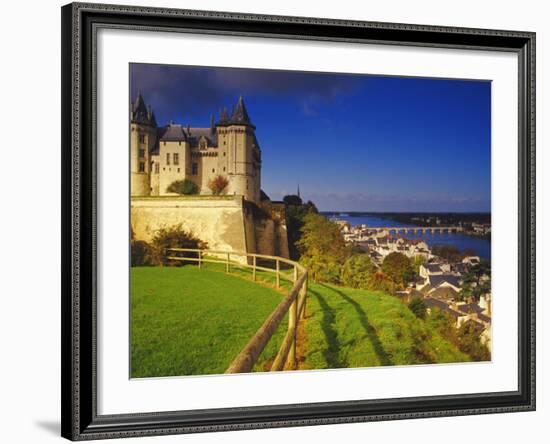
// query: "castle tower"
[[240, 155], [143, 135]]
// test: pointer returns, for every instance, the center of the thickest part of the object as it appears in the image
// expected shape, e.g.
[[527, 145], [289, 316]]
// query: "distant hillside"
[[347, 328]]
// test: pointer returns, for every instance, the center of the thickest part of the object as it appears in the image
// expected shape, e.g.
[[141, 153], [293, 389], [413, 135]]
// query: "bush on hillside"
[[141, 253], [183, 187], [357, 271], [382, 282], [174, 237], [418, 307]]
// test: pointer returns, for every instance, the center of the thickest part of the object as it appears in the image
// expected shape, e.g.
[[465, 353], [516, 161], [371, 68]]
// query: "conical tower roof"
[[240, 115], [140, 113]]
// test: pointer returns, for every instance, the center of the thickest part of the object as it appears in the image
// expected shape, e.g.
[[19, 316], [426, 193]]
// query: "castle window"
[[167, 158], [224, 152], [156, 168], [213, 170], [195, 168], [142, 138], [142, 167], [224, 168], [178, 170], [202, 144], [141, 153], [176, 159]]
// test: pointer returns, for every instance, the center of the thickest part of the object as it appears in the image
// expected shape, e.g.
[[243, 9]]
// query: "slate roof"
[[239, 115], [484, 318], [195, 135], [443, 293], [437, 280], [432, 267], [139, 112], [470, 308], [172, 132]]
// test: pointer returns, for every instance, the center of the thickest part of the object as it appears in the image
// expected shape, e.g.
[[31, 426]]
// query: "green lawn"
[[358, 328], [187, 321]]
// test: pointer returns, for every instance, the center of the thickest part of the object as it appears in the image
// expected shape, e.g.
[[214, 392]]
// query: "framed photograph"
[[283, 221]]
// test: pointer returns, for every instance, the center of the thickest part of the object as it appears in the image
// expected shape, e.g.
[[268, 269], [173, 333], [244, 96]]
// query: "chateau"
[[162, 155]]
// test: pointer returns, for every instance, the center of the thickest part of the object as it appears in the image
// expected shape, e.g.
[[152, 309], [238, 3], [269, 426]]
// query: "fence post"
[[200, 259], [305, 296], [292, 323], [227, 264], [277, 267], [254, 267]]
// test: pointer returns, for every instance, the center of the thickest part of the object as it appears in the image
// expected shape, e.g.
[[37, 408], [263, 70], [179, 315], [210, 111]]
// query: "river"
[[482, 247]]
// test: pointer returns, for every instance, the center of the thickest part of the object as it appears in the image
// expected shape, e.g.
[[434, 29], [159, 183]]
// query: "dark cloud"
[[196, 90]]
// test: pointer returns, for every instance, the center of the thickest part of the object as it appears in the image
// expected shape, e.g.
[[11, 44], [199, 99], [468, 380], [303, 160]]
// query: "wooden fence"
[[293, 303]]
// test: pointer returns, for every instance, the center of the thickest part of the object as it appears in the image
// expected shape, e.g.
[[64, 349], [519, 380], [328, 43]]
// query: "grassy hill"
[[358, 328], [186, 321]]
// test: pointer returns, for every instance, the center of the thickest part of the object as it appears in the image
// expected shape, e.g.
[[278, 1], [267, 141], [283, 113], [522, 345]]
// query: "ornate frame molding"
[[80, 22]]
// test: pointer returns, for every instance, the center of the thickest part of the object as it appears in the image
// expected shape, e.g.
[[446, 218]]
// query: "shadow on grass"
[[327, 325], [369, 329]]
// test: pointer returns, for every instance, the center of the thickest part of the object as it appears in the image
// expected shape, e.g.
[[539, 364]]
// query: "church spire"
[[298, 191]]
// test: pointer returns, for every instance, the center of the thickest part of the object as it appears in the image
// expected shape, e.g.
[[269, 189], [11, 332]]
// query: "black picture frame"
[[80, 420]]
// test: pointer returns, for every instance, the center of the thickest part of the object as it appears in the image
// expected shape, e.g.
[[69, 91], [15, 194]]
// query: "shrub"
[[218, 184], [382, 282], [174, 237], [357, 271], [418, 307], [141, 253], [183, 187]]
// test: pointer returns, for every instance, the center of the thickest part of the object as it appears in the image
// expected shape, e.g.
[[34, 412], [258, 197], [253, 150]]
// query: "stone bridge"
[[416, 230]]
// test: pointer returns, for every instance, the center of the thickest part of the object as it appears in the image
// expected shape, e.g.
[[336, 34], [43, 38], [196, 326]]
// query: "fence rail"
[[293, 303]]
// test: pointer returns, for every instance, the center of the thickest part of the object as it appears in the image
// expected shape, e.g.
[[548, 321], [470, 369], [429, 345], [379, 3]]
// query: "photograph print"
[[298, 221]]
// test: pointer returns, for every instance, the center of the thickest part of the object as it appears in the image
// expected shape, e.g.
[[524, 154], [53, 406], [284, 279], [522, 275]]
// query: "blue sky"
[[352, 142]]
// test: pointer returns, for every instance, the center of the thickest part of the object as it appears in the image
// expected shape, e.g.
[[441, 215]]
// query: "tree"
[[418, 307], [217, 184], [417, 262], [322, 247], [183, 187], [357, 271], [448, 252], [469, 341], [292, 199], [174, 237], [296, 211], [476, 281], [399, 268]]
